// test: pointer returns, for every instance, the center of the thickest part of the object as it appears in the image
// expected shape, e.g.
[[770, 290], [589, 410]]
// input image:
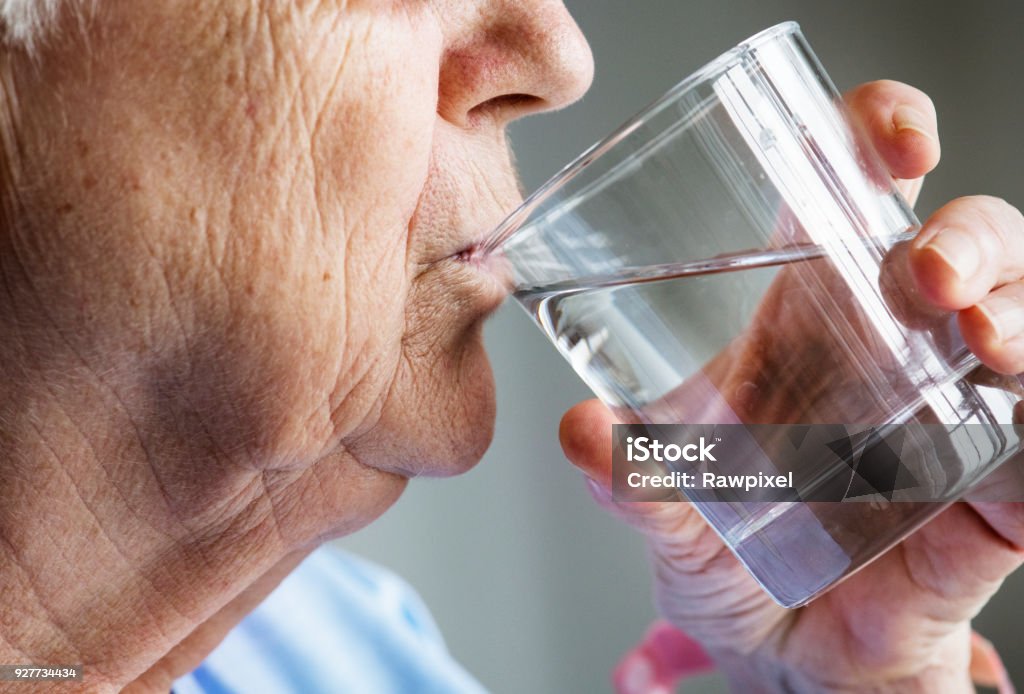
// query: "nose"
[[508, 58]]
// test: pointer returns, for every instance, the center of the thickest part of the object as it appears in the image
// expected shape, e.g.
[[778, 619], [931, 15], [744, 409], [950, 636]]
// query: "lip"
[[476, 280], [472, 252], [457, 256], [460, 230], [475, 246], [493, 264], [468, 250], [484, 279], [462, 247]]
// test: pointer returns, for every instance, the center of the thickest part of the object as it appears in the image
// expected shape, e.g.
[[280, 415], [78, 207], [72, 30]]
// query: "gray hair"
[[26, 23]]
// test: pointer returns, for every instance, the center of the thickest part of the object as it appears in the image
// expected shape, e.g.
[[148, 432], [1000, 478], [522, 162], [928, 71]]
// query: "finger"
[[994, 329], [987, 669], [957, 561], [940, 577], [585, 433], [697, 578], [675, 526], [1005, 520], [910, 188], [968, 247], [901, 122]]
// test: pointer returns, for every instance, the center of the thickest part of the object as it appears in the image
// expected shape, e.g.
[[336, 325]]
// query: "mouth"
[[483, 277], [473, 253], [490, 260]]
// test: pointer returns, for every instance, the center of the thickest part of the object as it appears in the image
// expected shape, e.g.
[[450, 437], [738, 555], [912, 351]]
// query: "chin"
[[465, 437], [439, 418]]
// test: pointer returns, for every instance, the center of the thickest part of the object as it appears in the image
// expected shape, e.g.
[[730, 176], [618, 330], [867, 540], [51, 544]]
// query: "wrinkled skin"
[[234, 316], [235, 321], [903, 623]]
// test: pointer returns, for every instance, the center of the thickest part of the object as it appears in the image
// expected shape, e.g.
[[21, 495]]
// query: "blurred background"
[[534, 588]]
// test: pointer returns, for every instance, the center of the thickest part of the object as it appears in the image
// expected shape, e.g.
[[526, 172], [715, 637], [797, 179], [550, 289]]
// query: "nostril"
[[509, 106]]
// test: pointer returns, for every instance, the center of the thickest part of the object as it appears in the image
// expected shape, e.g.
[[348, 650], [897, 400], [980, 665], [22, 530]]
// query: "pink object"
[[664, 656]]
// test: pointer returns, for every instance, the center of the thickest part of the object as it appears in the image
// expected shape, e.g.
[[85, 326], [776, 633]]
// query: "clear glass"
[[732, 255]]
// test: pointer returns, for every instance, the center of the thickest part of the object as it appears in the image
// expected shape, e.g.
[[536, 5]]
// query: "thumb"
[[674, 527], [699, 583], [585, 433]]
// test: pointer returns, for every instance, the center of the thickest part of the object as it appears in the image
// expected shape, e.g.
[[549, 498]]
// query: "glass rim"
[[712, 69]]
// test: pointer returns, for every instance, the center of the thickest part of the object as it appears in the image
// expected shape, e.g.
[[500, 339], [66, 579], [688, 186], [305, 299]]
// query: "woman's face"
[[261, 205]]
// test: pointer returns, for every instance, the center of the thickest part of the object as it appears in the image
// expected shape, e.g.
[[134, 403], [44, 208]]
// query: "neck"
[[130, 542], [100, 565]]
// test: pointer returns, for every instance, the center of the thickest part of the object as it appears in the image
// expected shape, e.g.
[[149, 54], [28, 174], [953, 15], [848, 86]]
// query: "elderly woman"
[[237, 319]]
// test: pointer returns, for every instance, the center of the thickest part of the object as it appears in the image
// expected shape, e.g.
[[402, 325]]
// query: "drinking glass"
[[734, 256]]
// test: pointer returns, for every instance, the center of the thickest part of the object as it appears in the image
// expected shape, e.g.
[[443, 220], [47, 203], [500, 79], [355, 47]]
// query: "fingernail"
[[924, 236], [1006, 316], [908, 118], [958, 249]]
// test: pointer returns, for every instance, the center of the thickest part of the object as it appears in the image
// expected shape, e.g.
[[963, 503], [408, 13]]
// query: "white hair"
[[26, 23]]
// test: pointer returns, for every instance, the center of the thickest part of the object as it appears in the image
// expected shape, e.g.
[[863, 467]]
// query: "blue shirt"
[[336, 624]]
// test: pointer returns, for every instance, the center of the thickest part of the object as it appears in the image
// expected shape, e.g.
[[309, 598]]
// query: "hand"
[[904, 621]]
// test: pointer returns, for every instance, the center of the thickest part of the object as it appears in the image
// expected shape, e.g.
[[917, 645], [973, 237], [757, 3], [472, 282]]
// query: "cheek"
[[256, 200], [317, 251], [371, 153], [371, 150]]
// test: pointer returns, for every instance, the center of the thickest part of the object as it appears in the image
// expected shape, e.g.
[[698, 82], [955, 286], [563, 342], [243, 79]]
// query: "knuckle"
[[986, 214], [1002, 220], [1010, 213]]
